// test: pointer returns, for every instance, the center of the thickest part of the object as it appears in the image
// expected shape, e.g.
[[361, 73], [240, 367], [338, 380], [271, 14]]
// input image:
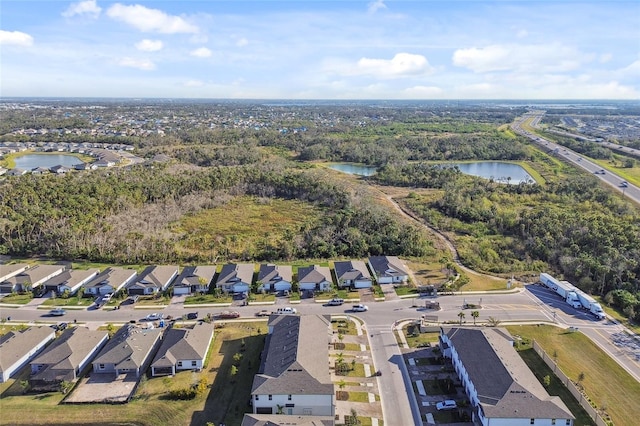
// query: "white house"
[[70, 280], [183, 349], [130, 350], [110, 280], [501, 388], [11, 270], [315, 278], [388, 270], [294, 377], [275, 277], [235, 278], [31, 278], [17, 348], [194, 279], [154, 279], [352, 273]]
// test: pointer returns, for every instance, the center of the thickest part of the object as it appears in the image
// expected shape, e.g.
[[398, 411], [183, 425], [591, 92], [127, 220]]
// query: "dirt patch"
[[104, 388]]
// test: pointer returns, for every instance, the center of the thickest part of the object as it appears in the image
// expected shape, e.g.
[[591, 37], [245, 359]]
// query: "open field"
[[225, 400], [605, 382]]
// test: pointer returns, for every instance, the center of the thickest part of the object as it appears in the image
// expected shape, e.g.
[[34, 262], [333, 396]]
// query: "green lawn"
[[69, 301], [18, 298], [605, 382], [416, 339], [343, 326]]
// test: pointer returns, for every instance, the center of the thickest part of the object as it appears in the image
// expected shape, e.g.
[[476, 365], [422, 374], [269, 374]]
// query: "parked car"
[[447, 404], [359, 308], [57, 312], [59, 327], [286, 311], [192, 315], [131, 299], [228, 314], [263, 313], [335, 302], [153, 317]]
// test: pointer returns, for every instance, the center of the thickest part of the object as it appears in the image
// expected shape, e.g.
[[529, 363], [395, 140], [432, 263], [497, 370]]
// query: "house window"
[[194, 363], [100, 366], [257, 397], [568, 422], [289, 398], [179, 363], [553, 421], [533, 421], [270, 397]]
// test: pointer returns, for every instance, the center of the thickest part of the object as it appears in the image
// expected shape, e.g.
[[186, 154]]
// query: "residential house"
[[275, 277], [16, 172], [70, 281], [154, 279], [315, 278], [30, 279], [11, 270], [276, 419], [65, 358], [59, 169], [294, 377], [39, 170], [183, 349], [194, 279], [353, 273], [110, 280], [501, 388], [388, 270], [17, 348], [235, 277], [2, 169], [129, 351]]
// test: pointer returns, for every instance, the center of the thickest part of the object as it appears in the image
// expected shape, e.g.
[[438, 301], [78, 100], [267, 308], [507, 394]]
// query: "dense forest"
[[568, 225]]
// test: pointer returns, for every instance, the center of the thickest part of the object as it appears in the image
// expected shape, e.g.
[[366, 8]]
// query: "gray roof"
[[129, 347], [190, 275], [71, 277], [36, 274], [506, 386], [233, 273], [296, 357], [7, 271], [273, 273], [250, 419], [184, 344], [351, 270], [113, 276], [15, 344], [68, 351], [387, 266], [314, 274], [159, 276]]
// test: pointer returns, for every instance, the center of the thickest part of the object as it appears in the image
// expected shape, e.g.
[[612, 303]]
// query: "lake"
[[499, 171], [31, 161], [354, 169]]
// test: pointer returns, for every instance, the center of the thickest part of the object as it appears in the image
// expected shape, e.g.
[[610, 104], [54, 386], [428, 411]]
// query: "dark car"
[[192, 315]]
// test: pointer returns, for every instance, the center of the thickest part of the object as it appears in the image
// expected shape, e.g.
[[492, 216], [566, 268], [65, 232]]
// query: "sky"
[[338, 49]]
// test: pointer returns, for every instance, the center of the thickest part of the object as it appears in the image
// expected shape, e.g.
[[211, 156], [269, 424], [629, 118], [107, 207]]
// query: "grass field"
[[225, 400], [605, 382]]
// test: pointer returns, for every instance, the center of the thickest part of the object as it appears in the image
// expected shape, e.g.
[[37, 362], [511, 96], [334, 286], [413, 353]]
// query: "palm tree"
[[461, 316], [475, 315]]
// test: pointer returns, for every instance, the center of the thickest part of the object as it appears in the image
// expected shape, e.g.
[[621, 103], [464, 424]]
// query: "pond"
[[354, 169], [499, 171], [31, 161]]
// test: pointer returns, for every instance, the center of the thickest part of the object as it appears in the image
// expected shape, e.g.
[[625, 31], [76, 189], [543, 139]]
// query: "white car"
[[360, 308], [447, 404], [153, 317]]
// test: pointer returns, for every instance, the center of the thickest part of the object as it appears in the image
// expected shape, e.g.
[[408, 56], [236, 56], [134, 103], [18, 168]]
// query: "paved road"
[[613, 180]]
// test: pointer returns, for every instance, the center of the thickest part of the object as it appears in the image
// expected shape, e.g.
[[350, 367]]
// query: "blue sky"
[[269, 49]]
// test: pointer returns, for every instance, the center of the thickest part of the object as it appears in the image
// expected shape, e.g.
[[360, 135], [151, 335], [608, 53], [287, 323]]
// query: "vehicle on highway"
[[192, 315], [228, 314], [359, 308], [153, 317], [624, 184], [447, 404], [263, 313], [57, 312], [335, 302]]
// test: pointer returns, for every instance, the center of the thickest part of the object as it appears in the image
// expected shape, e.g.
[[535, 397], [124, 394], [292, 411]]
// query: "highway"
[[533, 304], [606, 176]]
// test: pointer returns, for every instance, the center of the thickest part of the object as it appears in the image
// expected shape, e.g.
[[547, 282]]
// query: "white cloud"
[[201, 52], [522, 33], [193, 83], [423, 92], [605, 57], [141, 64], [88, 7], [401, 65], [15, 38], [376, 5], [524, 58], [241, 42], [147, 45], [150, 20]]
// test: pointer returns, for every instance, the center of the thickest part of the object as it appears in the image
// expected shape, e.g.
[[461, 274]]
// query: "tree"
[[475, 315], [546, 381], [581, 377], [65, 387], [233, 372], [493, 322], [461, 315]]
